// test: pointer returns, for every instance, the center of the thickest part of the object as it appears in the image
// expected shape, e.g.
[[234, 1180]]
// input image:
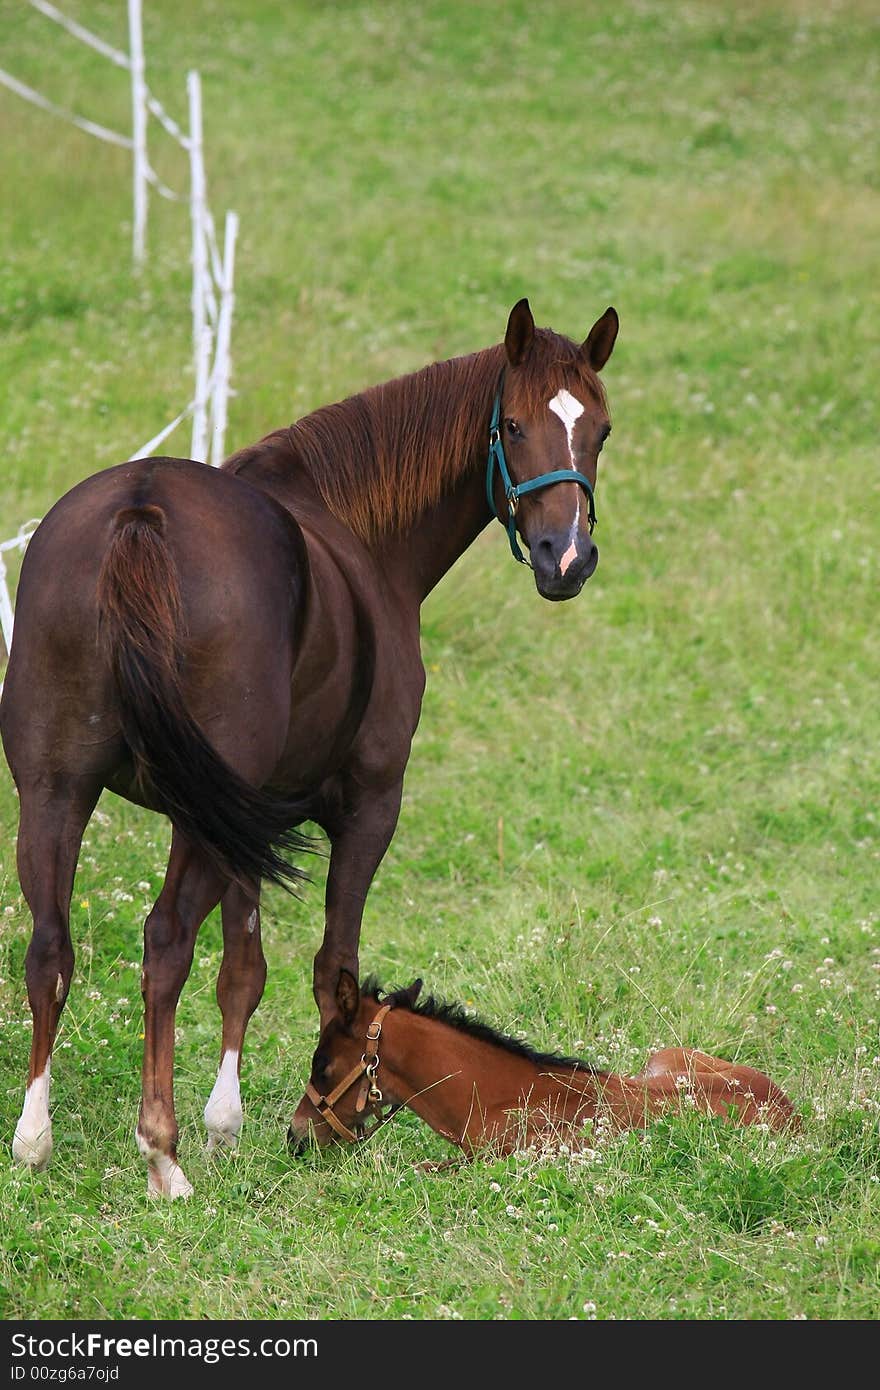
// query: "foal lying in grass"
[[478, 1088]]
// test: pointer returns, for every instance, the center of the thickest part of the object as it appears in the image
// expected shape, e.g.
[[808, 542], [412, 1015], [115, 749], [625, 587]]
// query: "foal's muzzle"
[[298, 1144]]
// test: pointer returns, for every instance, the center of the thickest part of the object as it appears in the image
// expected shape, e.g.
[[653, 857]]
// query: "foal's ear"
[[348, 996], [412, 993], [520, 332], [599, 342]]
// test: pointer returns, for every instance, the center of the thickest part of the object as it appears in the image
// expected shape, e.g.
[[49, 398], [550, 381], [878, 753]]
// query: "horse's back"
[[241, 568]]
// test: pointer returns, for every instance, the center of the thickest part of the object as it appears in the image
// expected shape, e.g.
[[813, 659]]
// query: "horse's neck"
[[419, 557], [406, 460], [413, 475]]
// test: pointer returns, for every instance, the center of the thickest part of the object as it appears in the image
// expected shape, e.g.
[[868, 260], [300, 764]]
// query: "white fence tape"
[[84, 35], [112, 137], [152, 444]]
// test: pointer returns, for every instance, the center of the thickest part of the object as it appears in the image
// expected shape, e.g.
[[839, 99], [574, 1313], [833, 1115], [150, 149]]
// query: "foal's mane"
[[457, 1017], [383, 456]]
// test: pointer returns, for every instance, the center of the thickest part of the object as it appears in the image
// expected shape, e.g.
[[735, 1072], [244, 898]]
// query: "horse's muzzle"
[[555, 585]]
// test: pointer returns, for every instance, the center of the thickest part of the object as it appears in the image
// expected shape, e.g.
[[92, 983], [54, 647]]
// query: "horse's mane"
[[381, 457], [458, 1017]]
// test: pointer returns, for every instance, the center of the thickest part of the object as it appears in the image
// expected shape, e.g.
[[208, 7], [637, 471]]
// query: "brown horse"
[[239, 649], [480, 1089]]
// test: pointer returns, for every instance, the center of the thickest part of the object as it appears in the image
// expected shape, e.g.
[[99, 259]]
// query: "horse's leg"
[[357, 848], [49, 836], [239, 991], [192, 887]]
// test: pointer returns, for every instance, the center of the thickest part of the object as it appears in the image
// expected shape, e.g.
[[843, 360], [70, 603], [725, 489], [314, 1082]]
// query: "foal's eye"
[[606, 430], [513, 429]]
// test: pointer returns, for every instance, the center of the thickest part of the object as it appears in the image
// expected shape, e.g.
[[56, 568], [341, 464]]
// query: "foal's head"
[[344, 1045], [554, 417]]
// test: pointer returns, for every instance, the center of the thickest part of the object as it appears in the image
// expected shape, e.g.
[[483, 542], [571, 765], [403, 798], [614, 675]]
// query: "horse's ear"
[[599, 342], [348, 996], [520, 332], [412, 993]]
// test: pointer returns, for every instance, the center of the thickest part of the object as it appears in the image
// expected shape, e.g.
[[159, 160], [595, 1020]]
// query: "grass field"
[[644, 817]]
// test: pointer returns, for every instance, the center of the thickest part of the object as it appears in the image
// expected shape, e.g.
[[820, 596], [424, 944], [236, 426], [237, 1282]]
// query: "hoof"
[[33, 1150], [167, 1179], [221, 1140], [223, 1121], [437, 1166]]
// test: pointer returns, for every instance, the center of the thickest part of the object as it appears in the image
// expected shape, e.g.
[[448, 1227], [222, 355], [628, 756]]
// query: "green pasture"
[[645, 817]]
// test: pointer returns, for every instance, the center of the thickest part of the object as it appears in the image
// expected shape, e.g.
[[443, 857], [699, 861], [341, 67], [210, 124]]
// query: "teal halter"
[[514, 491]]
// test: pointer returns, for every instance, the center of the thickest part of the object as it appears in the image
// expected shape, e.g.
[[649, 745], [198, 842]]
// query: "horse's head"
[[552, 420], [343, 1094]]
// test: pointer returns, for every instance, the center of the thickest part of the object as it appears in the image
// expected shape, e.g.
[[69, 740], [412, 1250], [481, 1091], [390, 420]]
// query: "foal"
[[478, 1088]]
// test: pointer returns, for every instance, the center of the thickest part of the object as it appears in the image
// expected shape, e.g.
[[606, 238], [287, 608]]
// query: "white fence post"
[[199, 447], [197, 207], [138, 131], [224, 332]]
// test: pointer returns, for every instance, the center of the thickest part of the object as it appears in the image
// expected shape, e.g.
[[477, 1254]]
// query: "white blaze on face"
[[32, 1143], [223, 1113], [569, 410]]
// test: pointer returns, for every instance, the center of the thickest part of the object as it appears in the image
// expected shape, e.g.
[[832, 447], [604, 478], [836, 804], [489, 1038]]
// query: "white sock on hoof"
[[223, 1113], [32, 1144]]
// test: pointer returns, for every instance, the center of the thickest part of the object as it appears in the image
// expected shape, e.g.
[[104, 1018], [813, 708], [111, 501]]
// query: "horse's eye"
[[513, 429], [604, 435]]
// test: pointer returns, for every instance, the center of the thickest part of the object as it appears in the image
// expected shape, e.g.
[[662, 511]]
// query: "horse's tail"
[[246, 832]]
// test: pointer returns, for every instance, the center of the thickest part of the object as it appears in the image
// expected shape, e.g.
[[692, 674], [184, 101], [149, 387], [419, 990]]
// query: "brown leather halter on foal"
[[366, 1068]]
